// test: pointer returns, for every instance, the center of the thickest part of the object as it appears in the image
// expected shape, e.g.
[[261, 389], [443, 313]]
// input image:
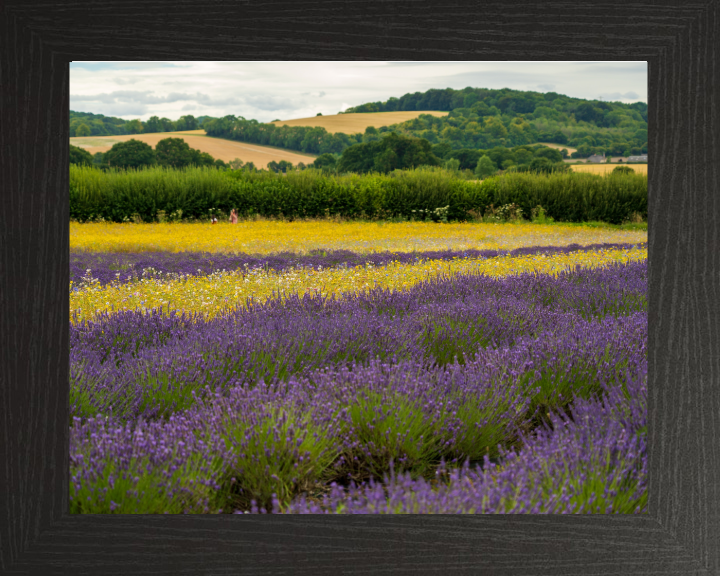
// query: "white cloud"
[[617, 96], [268, 90], [123, 81]]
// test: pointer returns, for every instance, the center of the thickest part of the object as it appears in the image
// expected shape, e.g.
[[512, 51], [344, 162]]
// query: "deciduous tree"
[[134, 127], [80, 156], [153, 125], [82, 130], [325, 162], [174, 152], [130, 154], [485, 167]]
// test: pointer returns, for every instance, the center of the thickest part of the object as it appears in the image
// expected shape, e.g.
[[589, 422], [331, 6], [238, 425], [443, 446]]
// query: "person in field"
[[233, 216], [214, 220]]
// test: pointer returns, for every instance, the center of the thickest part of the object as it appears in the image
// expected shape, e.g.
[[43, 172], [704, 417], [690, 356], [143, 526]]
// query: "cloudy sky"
[[267, 91]]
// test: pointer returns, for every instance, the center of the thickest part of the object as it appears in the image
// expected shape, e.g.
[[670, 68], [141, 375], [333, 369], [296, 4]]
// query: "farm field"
[[604, 168], [218, 148], [357, 367], [301, 237], [354, 123]]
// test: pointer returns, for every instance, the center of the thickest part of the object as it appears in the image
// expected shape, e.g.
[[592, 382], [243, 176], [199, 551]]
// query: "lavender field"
[[465, 392]]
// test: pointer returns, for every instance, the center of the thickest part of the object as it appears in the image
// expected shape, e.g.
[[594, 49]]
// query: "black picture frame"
[[681, 532]]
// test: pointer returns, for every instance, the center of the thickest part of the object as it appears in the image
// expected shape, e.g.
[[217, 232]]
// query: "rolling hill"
[[356, 123], [219, 148]]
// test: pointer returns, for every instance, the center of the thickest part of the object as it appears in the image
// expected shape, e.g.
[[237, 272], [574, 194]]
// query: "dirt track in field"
[[570, 149]]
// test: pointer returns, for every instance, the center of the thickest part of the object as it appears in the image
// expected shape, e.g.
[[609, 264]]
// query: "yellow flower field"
[[213, 294], [266, 236]]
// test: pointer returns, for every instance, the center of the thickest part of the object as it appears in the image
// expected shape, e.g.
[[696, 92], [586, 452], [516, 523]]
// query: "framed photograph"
[[395, 280]]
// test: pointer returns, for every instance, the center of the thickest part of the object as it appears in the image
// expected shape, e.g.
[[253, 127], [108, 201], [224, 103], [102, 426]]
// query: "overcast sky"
[[267, 91]]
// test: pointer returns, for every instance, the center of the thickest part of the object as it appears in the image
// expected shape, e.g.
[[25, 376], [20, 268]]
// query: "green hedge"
[[116, 195]]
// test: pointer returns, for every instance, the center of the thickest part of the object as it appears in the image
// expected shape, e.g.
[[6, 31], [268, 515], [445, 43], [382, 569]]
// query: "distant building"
[[596, 158], [641, 158]]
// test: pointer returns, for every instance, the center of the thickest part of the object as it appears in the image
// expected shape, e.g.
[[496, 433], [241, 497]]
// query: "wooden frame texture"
[[679, 40]]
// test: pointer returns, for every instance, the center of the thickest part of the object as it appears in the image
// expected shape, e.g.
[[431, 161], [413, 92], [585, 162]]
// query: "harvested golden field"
[[354, 123], [559, 146], [218, 148], [603, 168]]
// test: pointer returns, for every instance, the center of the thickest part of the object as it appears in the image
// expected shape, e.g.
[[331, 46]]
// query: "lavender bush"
[[470, 394]]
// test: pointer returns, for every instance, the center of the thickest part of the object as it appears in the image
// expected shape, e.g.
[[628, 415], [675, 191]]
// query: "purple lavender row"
[[124, 267], [262, 445], [147, 365], [593, 460], [613, 289], [324, 405]]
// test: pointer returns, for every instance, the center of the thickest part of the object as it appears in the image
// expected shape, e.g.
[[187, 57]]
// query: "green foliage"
[[573, 197], [541, 165], [452, 165], [496, 120], [167, 125], [390, 152], [173, 152], [186, 123], [152, 125], [467, 158], [170, 152], [623, 170], [203, 159], [549, 153], [283, 166], [98, 159], [281, 454], [485, 167], [538, 216], [134, 127], [140, 488], [481, 118], [100, 125], [441, 150], [325, 162], [130, 154], [82, 130], [314, 140], [80, 156], [425, 193]]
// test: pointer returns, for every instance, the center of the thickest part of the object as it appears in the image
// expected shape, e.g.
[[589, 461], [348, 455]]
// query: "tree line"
[[501, 119], [89, 124], [478, 128], [478, 119], [422, 193], [390, 152], [313, 140], [394, 151], [170, 152], [481, 118]]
